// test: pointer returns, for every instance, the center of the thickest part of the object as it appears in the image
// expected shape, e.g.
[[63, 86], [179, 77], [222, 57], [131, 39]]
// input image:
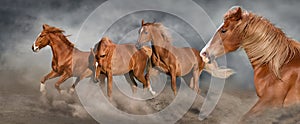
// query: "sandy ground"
[[21, 103]]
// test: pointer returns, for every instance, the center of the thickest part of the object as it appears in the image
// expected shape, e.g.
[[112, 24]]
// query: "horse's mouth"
[[36, 50], [140, 45], [208, 59]]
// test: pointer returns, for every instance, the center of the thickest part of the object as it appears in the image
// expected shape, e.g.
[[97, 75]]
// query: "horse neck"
[[267, 47], [159, 42], [60, 49]]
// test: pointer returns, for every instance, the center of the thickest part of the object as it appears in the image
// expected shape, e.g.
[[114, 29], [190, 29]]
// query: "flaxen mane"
[[59, 32], [266, 44], [163, 31]]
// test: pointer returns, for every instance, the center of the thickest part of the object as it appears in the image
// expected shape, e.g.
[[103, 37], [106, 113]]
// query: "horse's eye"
[[102, 56], [223, 31], [146, 32]]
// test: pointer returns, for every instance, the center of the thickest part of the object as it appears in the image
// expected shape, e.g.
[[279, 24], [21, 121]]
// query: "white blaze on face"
[[36, 48], [141, 30], [206, 58], [96, 66]]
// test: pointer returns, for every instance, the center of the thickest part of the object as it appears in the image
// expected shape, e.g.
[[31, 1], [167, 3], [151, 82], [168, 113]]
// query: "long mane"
[[59, 33], [266, 44], [162, 30]]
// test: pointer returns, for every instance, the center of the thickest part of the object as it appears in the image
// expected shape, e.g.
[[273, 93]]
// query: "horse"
[[67, 60], [172, 60], [121, 59], [273, 56]]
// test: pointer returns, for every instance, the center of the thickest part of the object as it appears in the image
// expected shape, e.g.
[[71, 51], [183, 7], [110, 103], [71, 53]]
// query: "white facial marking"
[[36, 48], [205, 58], [141, 30], [96, 64]]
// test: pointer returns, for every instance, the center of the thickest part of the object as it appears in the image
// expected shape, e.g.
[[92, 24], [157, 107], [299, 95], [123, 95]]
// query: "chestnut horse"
[[274, 57], [67, 60], [118, 59], [175, 61]]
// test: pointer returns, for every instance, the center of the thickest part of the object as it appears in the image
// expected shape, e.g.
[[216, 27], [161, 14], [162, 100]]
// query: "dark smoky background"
[[21, 69]]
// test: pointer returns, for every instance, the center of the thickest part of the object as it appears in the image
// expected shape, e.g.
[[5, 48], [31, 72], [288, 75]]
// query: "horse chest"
[[61, 66], [263, 78]]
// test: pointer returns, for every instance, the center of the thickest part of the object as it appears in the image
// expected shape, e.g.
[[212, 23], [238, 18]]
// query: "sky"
[[21, 21]]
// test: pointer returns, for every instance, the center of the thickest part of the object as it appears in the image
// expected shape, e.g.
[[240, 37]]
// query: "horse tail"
[[218, 72]]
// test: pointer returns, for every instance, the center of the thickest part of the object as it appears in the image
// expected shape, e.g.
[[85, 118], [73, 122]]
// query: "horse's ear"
[[45, 26], [238, 13], [143, 22]]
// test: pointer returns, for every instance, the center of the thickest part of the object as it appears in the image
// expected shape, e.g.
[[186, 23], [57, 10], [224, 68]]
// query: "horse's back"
[[121, 58], [80, 62]]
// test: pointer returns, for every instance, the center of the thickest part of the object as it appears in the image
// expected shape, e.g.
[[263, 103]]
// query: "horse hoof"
[[63, 92], [198, 92], [201, 118], [42, 88], [153, 93]]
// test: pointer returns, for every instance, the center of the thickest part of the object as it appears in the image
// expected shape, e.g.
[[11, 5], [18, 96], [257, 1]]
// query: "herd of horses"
[[274, 58]]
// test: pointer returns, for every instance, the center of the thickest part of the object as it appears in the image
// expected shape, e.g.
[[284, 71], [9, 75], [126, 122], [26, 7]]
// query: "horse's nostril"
[[205, 54]]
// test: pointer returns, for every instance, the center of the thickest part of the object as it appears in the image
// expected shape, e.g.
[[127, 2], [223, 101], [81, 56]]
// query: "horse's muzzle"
[[138, 46], [206, 57], [34, 48]]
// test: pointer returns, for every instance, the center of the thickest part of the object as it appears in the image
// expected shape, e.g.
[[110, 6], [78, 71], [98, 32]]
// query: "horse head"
[[42, 40], [102, 55], [145, 35], [226, 38]]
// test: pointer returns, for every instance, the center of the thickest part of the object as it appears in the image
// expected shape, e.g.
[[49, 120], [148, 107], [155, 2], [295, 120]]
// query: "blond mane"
[[162, 31], [266, 44]]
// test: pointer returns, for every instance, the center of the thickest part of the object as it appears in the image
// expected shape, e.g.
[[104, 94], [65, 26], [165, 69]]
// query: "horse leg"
[[62, 79], [72, 89], [259, 107], [131, 81], [173, 82], [196, 74], [109, 84], [139, 74], [50, 75], [82, 76], [272, 97], [147, 76]]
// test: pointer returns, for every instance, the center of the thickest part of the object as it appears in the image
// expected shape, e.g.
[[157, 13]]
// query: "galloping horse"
[[274, 57], [67, 60], [172, 60], [118, 59]]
